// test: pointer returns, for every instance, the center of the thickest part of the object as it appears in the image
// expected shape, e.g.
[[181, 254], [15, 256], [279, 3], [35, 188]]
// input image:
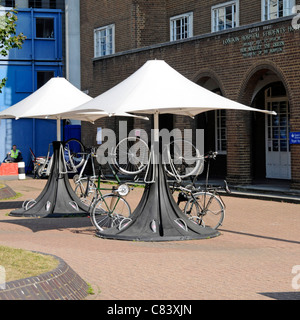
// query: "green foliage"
[[8, 36]]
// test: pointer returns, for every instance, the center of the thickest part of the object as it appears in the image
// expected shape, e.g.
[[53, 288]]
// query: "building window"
[[43, 77], [8, 3], [45, 28], [221, 131], [50, 4], [104, 41], [181, 27], [225, 16], [272, 9], [35, 4]]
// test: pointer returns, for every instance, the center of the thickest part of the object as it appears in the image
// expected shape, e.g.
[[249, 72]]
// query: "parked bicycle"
[[42, 164], [203, 206], [108, 207]]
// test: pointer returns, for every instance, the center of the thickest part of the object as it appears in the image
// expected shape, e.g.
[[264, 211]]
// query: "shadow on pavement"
[[10, 204], [282, 295], [260, 236], [42, 224]]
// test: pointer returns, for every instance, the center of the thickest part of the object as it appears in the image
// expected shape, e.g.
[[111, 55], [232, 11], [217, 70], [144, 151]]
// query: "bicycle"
[[85, 187], [106, 210], [41, 165], [112, 209], [73, 154], [204, 207]]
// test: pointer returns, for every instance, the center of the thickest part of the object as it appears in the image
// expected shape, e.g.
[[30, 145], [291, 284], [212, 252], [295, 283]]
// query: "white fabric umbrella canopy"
[[56, 96], [158, 88], [53, 101]]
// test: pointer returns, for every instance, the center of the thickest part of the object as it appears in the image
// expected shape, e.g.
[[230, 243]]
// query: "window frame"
[[190, 30], [45, 18], [218, 130], [287, 5], [97, 52], [225, 5]]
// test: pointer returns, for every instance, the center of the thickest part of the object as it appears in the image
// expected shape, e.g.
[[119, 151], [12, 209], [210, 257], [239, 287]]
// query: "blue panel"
[[45, 133], [72, 131], [46, 50], [23, 80], [20, 54], [24, 23]]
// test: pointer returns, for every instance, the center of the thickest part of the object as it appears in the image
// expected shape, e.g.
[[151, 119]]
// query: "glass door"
[[278, 159]]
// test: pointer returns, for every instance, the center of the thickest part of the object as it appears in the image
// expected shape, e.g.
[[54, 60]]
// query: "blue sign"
[[294, 137]]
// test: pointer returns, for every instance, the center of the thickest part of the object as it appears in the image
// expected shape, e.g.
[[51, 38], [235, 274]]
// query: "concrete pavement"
[[253, 258]]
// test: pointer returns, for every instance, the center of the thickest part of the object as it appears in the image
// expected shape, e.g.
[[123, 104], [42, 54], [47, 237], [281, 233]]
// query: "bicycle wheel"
[[205, 209], [131, 155], [109, 211], [73, 150], [182, 159], [86, 191]]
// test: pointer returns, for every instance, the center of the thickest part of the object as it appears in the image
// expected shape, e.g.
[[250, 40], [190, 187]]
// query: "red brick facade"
[[238, 61]]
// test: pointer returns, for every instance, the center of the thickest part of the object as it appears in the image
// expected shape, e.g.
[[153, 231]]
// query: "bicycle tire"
[[182, 159], [72, 154], [85, 196], [206, 209], [134, 155], [109, 211]]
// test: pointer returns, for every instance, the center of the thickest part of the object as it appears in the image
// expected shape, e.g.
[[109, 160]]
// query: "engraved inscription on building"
[[260, 41]]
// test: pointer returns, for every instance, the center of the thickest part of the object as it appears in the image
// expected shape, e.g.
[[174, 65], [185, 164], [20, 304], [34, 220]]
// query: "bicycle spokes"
[[206, 209]]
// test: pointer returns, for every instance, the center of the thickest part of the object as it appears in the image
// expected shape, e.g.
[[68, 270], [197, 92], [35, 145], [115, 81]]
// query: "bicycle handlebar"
[[211, 155]]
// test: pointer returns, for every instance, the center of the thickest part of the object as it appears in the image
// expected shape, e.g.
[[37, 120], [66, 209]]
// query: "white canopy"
[[51, 101], [158, 88], [56, 96]]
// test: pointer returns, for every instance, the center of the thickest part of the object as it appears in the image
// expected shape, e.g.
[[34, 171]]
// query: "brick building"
[[246, 51]]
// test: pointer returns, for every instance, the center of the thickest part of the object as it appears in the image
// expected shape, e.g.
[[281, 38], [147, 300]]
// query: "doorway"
[[271, 150], [278, 156]]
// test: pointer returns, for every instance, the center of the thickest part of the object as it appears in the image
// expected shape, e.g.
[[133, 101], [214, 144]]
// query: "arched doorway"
[[271, 149]]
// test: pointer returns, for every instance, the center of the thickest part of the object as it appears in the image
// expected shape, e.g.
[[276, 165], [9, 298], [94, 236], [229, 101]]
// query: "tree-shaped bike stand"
[[157, 216], [57, 198]]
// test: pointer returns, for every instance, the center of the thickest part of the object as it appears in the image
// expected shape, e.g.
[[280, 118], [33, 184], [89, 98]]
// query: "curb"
[[62, 283], [263, 195]]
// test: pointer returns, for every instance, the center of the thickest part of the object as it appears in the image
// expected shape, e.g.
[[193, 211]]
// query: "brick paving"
[[62, 283], [251, 259]]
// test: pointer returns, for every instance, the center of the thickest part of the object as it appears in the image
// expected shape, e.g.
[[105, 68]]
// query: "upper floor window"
[[8, 3], [104, 41], [272, 9], [45, 4], [45, 28], [181, 27], [225, 16]]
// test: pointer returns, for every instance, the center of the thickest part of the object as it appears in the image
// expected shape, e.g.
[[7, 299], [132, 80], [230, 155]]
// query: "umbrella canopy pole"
[[156, 127], [58, 129]]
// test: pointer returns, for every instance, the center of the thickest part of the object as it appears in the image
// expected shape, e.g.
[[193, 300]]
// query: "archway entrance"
[[271, 149]]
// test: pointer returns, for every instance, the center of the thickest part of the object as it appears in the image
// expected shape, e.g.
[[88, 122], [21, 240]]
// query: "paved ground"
[[253, 257]]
